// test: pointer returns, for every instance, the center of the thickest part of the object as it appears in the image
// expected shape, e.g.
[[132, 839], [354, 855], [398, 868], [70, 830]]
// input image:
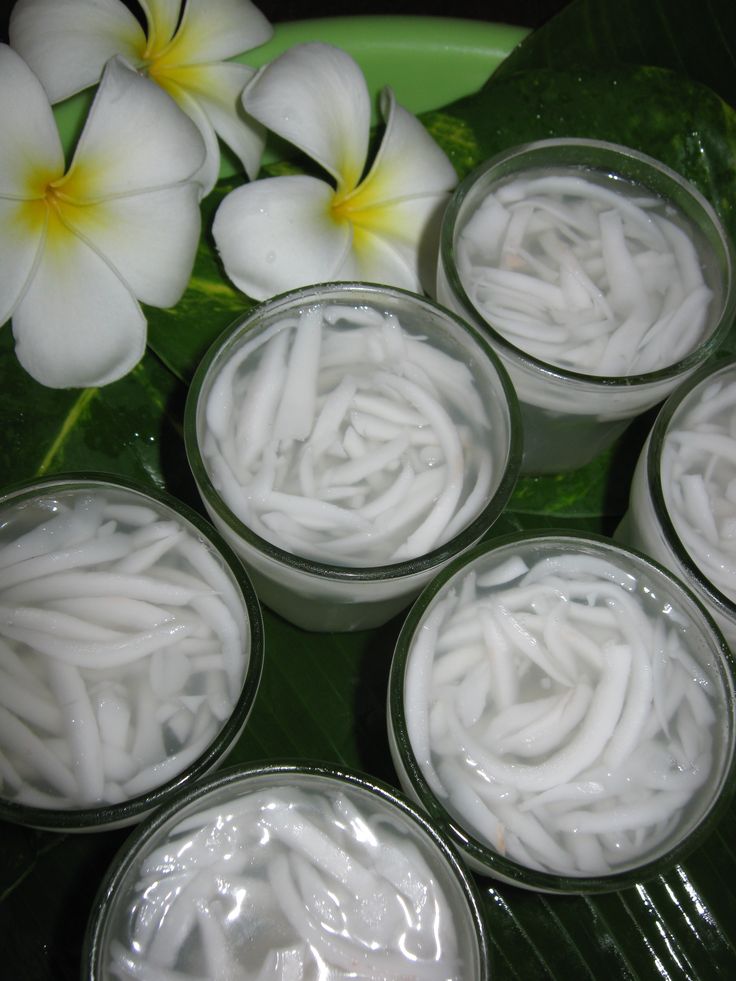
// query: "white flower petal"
[[209, 171], [68, 42], [30, 141], [315, 96], [136, 138], [278, 233], [149, 239], [217, 89], [374, 259], [19, 247], [409, 229], [214, 29], [77, 324], [408, 164], [162, 20]]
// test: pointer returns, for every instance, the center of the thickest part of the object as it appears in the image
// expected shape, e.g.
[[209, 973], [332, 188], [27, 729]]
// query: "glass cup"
[[348, 440], [288, 870], [681, 509], [602, 279], [563, 709], [131, 649]]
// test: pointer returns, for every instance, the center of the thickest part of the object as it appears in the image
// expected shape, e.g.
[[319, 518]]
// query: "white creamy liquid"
[[295, 879], [123, 648], [340, 436], [590, 274], [558, 712]]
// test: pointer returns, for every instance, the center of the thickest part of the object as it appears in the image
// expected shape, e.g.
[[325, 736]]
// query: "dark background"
[[528, 13]]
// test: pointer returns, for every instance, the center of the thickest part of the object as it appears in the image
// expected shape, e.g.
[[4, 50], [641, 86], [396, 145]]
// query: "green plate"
[[323, 696]]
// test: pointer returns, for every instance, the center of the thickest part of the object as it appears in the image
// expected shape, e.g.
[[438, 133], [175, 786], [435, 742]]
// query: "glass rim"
[[484, 855], [679, 369], [109, 815], [657, 439], [227, 342], [233, 776]]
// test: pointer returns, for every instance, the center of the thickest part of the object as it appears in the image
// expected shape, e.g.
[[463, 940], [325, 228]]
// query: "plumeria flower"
[[67, 43], [284, 232], [79, 249]]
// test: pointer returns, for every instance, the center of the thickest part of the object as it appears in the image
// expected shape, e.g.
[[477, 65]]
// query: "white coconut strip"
[[580, 752], [16, 666], [143, 558], [575, 566], [306, 839], [158, 773], [60, 586], [472, 694], [253, 419], [486, 228], [528, 645], [390, 410], [630, 817], [475, 500], [711, 403], [91, 553], [320, 901], [117, 612], [515, 717], [312, 513], [391, 497], [536, 837], [113, 717], [363, 316], [371, 462], [110, 654], [296, 411], [688, 263], [473, 809], [214, 945], [62, 625], [626, 290], [20, 743], [588, 854], [63, 530], [451, 668], [704, 442], [587, 293], [546, 733], [117, 765], [639, 698], [32, 705], [638, 212], [233, 651], [432, 529], [417, 687], [81, 729], [334, 410], [10, 780], [178, 920], [699, 507], [331, 949], [137, 515], [212, 572], [498, 651], [508, 570], [581, 792], [673, 331], [168, 672]]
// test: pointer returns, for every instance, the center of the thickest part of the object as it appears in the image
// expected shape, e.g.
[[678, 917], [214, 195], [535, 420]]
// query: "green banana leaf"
[[651, 74]]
